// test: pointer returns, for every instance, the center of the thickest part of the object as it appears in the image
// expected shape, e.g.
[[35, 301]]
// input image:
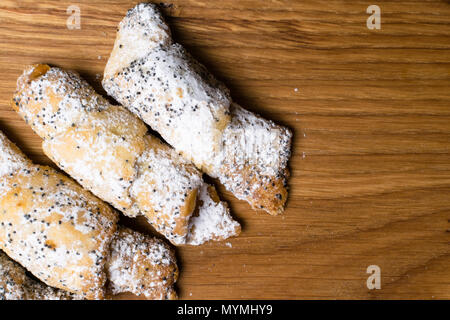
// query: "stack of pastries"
[[66, 232]]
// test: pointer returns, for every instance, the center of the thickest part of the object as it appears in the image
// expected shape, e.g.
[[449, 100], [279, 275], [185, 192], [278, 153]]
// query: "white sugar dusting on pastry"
[[187, 104], [108, 151], [10, 160], [68, 239], [53, 227], [162, 84], [216, 222], [15, 284], [141, 265]]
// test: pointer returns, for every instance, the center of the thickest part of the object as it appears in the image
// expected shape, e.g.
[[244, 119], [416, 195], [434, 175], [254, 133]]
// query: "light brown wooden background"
[[371, 152]]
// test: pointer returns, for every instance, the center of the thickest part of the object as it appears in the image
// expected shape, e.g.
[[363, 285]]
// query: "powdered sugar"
[[106, 149], [16, 285], [67, 238], [141, 265], [250, 143], [180, 99], [11, 159], [166, 87], [215, 223], [150, 26], [250, 140], [163, 185], [55, 229]]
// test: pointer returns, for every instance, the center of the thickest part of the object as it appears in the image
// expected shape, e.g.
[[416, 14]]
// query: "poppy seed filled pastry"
[[69, 239], [109, 151], [161, 83], [15, 284]]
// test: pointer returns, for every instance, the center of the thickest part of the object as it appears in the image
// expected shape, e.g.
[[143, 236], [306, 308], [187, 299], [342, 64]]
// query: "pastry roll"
[[15, 284], [51, 226], [162, 84], [69, 239], [109, 151]]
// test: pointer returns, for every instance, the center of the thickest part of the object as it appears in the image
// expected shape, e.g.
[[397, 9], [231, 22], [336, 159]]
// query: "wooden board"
[[371, 153]]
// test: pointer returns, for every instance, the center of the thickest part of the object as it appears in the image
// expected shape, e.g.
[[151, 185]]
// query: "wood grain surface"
[[370, 110]]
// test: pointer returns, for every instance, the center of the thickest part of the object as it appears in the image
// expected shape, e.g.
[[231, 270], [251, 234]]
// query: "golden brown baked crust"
[[51, 226], [108, 151], [161, 83], [15, 284], [68, 239]]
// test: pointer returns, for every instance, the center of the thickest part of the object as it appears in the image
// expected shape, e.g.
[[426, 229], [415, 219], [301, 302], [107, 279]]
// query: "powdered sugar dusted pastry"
[[253, 160], [15, 284], [183, 100], [141, 265], [69, 239], [162, 84], [50, 225], [108, 151]]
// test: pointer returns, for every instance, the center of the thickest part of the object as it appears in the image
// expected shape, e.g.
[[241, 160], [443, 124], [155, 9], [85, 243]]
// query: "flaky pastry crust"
[[69, 239], [109, 151], [161, 83]]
